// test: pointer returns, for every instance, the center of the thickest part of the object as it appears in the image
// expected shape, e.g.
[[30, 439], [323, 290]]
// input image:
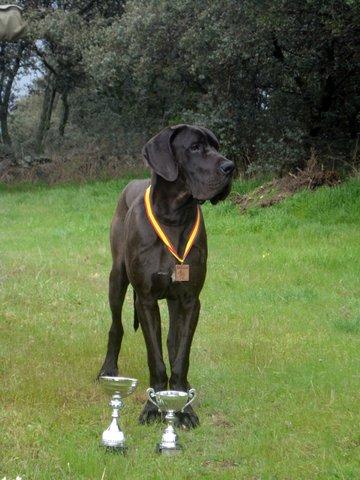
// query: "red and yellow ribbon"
[[162, 235]]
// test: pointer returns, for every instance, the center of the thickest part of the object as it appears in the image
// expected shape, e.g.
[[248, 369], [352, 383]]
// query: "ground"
[[275, 358]]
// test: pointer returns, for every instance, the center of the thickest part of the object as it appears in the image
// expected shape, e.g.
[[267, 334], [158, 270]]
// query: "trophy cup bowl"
[[122, 385], [118, 387], [170, 402]]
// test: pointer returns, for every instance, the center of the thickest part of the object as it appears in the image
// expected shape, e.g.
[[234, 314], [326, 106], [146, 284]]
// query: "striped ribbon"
[[162, 235]]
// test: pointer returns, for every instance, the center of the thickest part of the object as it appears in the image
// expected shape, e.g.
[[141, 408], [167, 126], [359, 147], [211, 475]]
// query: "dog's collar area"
[[162, 235]]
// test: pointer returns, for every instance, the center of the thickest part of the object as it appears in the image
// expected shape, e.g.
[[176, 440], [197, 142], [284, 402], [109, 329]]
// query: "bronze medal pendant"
[[181, 273]]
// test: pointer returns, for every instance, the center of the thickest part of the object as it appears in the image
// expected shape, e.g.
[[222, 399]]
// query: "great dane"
[[187, 170]]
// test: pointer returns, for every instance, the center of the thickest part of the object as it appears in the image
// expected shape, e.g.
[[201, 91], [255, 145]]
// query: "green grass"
[[275, 358]]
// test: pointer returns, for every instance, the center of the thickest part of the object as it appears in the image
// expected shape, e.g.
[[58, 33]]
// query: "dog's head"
[[191, 152]]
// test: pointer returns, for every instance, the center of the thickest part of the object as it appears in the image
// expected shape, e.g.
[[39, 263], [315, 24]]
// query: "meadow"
[[275, 358]]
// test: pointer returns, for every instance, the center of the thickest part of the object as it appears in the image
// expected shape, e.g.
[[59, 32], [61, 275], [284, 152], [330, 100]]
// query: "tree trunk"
[[46, 112], [64, 113], [4, 109], [5, 136], [7, 80]]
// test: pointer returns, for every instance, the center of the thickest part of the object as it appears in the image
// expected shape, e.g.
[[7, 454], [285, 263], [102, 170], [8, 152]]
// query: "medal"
[[182, 271]]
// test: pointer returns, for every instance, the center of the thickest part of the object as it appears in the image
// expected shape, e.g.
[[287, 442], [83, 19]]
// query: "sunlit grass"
[[275, 358]]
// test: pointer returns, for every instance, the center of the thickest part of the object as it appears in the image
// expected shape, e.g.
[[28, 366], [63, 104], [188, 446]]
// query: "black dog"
[[187, 169]]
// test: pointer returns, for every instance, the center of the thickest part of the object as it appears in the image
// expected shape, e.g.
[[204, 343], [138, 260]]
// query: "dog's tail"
[[136, 318]]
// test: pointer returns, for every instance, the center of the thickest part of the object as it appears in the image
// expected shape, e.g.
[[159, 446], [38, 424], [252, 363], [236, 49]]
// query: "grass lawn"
[[275, 359]]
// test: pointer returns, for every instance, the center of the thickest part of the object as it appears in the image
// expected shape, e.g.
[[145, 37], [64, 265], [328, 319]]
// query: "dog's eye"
[[195, 147]]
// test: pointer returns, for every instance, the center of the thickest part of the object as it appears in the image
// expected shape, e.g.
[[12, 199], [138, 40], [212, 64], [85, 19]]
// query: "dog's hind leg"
[[118, 283]]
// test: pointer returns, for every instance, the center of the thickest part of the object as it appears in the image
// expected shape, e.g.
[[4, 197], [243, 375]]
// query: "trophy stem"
[[116, 403], [169, 444], [113, 437]]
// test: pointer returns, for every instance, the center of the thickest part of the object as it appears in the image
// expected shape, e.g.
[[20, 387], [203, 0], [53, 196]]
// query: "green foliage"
[[274, 80]]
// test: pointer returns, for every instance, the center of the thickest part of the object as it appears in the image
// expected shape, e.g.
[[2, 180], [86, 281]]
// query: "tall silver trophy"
[[118, 387], [170, 402]]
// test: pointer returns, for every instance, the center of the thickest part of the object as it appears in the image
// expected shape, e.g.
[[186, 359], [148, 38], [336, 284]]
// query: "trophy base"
[[168, 451], [113, 438], [114, 448]]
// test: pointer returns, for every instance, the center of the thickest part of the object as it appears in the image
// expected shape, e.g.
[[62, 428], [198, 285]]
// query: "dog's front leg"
[[184, 314], [149, 316], [118, 283]]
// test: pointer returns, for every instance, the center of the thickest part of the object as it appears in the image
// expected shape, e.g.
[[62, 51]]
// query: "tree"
[[62, 27], [273, 79], [13, 56]]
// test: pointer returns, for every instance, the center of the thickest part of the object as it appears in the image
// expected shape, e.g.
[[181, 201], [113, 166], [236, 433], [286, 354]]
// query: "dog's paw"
[[149, 414], [187, 419], [108, 371]]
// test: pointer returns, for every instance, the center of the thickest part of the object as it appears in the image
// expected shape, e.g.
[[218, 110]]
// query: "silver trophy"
[[118, 387], [170, 402]]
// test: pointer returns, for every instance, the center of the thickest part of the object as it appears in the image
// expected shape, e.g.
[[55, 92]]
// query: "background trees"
[[275, 80]]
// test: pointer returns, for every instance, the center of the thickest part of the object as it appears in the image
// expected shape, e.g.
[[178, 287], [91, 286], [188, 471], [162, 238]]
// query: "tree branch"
[[46, 63], [87, 7]]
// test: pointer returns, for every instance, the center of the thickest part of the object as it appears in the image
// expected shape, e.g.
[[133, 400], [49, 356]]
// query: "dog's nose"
[[227, 167]]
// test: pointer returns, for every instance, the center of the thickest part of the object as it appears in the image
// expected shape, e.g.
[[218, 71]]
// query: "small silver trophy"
[[118, 387], [170, 402]]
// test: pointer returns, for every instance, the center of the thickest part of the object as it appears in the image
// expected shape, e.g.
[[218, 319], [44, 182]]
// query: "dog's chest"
[[153, 269], [165, 284]]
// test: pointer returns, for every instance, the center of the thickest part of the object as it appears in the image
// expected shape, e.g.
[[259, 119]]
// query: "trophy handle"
[[151, 393], [192, 395]]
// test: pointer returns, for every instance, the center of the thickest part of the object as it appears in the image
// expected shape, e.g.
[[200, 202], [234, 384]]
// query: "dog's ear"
[[159, 155], [214, 142]]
